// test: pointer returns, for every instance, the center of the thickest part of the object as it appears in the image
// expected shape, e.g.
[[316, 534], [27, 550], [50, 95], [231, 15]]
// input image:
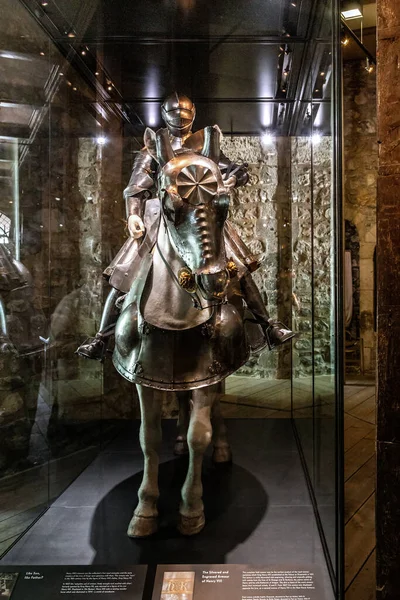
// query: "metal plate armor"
[[191, 352]]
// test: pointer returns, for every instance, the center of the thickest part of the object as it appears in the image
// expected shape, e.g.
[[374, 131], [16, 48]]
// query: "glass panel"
[[314, 369], [303, 321], [24, 406], [83, 80], [324, 325], [51, 407]]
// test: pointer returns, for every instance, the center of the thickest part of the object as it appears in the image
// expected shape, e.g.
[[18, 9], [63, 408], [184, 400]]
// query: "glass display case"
[[81, 82]]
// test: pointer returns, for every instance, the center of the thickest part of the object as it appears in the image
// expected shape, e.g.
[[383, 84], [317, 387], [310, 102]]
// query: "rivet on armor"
[[215, 368], [146, 328], [186, 279], [138, 369], [208, 330], [232, 268]]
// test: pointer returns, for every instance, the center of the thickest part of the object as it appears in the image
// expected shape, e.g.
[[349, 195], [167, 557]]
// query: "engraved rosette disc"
[[196, 184]]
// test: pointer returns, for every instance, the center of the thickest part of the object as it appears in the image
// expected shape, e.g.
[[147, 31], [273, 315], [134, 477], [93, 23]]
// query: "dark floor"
[[258, 509]]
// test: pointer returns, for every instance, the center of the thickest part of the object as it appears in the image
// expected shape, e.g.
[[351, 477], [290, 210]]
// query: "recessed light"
[[352, 13]]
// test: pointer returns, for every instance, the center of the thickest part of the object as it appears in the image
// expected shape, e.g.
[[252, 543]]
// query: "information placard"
[[73, 583], [236, 582]]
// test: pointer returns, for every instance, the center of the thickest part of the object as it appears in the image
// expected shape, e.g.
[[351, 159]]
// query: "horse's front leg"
[[222, 452], [144, 520], [199, 436], [181, 446]]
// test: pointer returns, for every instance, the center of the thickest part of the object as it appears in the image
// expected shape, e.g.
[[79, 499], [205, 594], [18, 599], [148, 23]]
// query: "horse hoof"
[[191, 525], [181, 448], [140, 527], [222, 454]]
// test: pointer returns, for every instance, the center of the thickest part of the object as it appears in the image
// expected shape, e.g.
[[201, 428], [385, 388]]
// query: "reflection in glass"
[[71, 129]]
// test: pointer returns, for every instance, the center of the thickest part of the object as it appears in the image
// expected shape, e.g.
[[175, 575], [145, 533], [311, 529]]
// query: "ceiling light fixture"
[[351, 10]]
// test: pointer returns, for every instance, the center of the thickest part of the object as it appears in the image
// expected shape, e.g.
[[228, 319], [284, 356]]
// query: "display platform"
[[258, 509]]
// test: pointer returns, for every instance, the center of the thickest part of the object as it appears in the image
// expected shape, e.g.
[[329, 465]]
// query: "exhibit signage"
[[236, 582], [71, 583], [171, 582]]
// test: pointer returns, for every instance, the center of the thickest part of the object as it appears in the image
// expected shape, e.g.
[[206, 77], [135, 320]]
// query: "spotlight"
[[101, 140], [316, 139], [351, 10], [267, 139], [368, 67]]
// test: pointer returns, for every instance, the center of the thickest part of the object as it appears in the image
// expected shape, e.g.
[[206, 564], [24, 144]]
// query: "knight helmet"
[[178, 112]]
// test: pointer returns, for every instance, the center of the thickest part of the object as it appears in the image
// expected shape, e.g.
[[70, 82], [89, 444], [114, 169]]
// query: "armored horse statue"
[[178, 330]]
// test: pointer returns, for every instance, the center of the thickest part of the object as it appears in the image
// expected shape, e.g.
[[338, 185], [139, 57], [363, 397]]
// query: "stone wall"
[[312, 240], [360, 179], [257, 211], [97, 226], [284, 216]]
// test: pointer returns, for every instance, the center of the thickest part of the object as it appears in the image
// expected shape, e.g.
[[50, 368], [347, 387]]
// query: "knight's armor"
[[198, 338], [178, 112]]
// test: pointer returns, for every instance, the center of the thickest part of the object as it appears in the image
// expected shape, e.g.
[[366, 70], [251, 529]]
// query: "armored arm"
[[229, 168], [140, 184]]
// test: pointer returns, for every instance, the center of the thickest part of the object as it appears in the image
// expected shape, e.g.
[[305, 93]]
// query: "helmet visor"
[[179, 117]]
